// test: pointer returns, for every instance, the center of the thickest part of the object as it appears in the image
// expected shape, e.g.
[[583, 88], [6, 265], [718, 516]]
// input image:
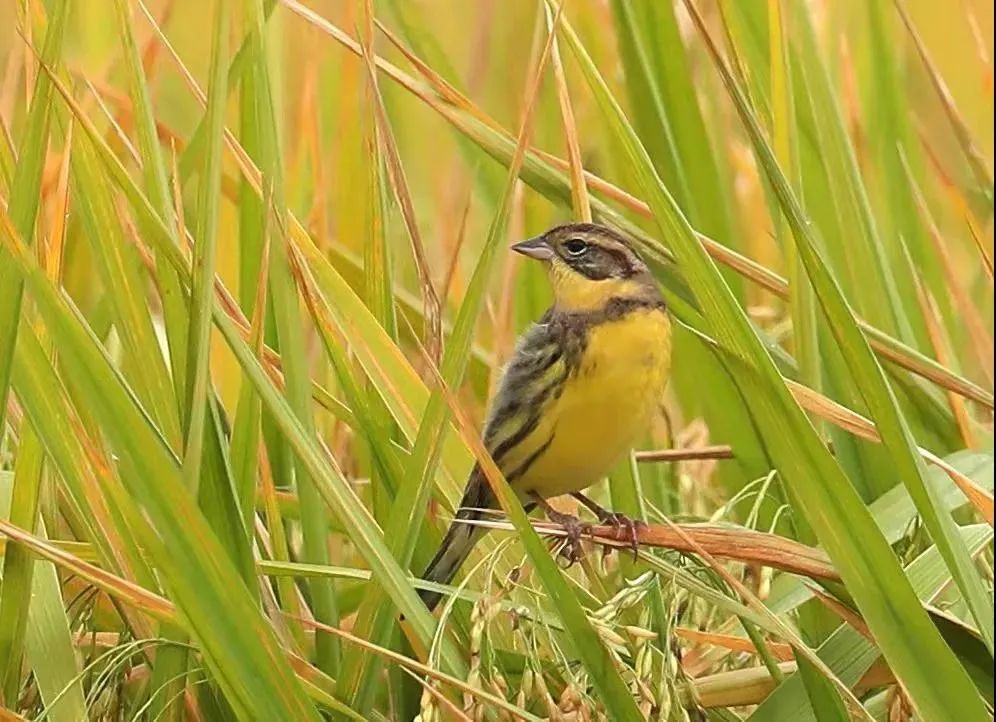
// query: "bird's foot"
[[572, 549], [626, 528], [574, 528]]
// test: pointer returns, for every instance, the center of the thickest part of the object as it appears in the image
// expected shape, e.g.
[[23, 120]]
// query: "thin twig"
[[702, 453], [728, 542]]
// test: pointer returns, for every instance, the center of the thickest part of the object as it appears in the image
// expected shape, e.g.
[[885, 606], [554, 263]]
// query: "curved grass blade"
[[47, 643], [405, 522], [21, 503], [584, 641], [287, 320], [155, 606], [976, 161], [847, 652], [837, 515], [239, 646], [547, 174], [866, 373], [25, 195], [22, 206], [157, 188]]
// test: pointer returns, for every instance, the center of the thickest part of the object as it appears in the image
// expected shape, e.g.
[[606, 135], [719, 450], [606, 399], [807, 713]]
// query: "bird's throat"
[[574, 292]]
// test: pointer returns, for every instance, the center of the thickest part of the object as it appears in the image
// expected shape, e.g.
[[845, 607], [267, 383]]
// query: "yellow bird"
[[580, 389]]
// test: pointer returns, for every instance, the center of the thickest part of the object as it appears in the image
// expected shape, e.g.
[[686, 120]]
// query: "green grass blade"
[[119, 266], [18, 565], [891, 136], [287, 321], [247, 428], [834, 510], [582, 639], [205, 248], [25, 196], [48, 644], [356, 520], [667, 67], [649, 111], [550, 180], [157, 188], [847, 652], [361, 672], [239, 647], [405, 522], [239, 70], [23, 209], [37, 384], [869, 378]]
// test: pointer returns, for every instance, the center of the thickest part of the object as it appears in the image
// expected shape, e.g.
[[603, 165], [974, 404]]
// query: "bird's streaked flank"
[[581, 387]]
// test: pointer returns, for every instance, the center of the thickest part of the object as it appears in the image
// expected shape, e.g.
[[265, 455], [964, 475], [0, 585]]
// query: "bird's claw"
[[574, 528], [626, 528]]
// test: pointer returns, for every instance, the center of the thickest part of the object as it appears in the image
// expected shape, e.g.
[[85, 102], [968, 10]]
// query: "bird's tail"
[[453, 552], [459, 540]]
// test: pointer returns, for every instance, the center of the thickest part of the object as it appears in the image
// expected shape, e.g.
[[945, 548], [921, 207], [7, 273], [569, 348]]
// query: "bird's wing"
[[518, 429], [517, 426]]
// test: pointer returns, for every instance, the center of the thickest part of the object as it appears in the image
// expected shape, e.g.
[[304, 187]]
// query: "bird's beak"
[[536, 248]]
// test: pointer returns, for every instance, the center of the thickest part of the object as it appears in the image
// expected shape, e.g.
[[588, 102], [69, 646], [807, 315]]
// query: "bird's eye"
[[576, 246]]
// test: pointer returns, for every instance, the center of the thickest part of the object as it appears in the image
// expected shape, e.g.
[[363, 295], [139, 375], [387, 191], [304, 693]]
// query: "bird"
[[581, 386]]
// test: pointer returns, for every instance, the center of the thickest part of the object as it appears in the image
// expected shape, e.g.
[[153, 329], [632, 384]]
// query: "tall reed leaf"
[[834, 510]]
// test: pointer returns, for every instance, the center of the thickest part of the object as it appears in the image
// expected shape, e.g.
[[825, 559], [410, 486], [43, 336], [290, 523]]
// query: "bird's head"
[[588, 264]]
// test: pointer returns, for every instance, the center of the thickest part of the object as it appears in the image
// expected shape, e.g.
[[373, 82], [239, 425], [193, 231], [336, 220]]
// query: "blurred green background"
[[227, 506]]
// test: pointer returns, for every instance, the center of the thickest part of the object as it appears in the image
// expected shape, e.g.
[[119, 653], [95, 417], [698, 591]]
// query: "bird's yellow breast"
[[605, 405]]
